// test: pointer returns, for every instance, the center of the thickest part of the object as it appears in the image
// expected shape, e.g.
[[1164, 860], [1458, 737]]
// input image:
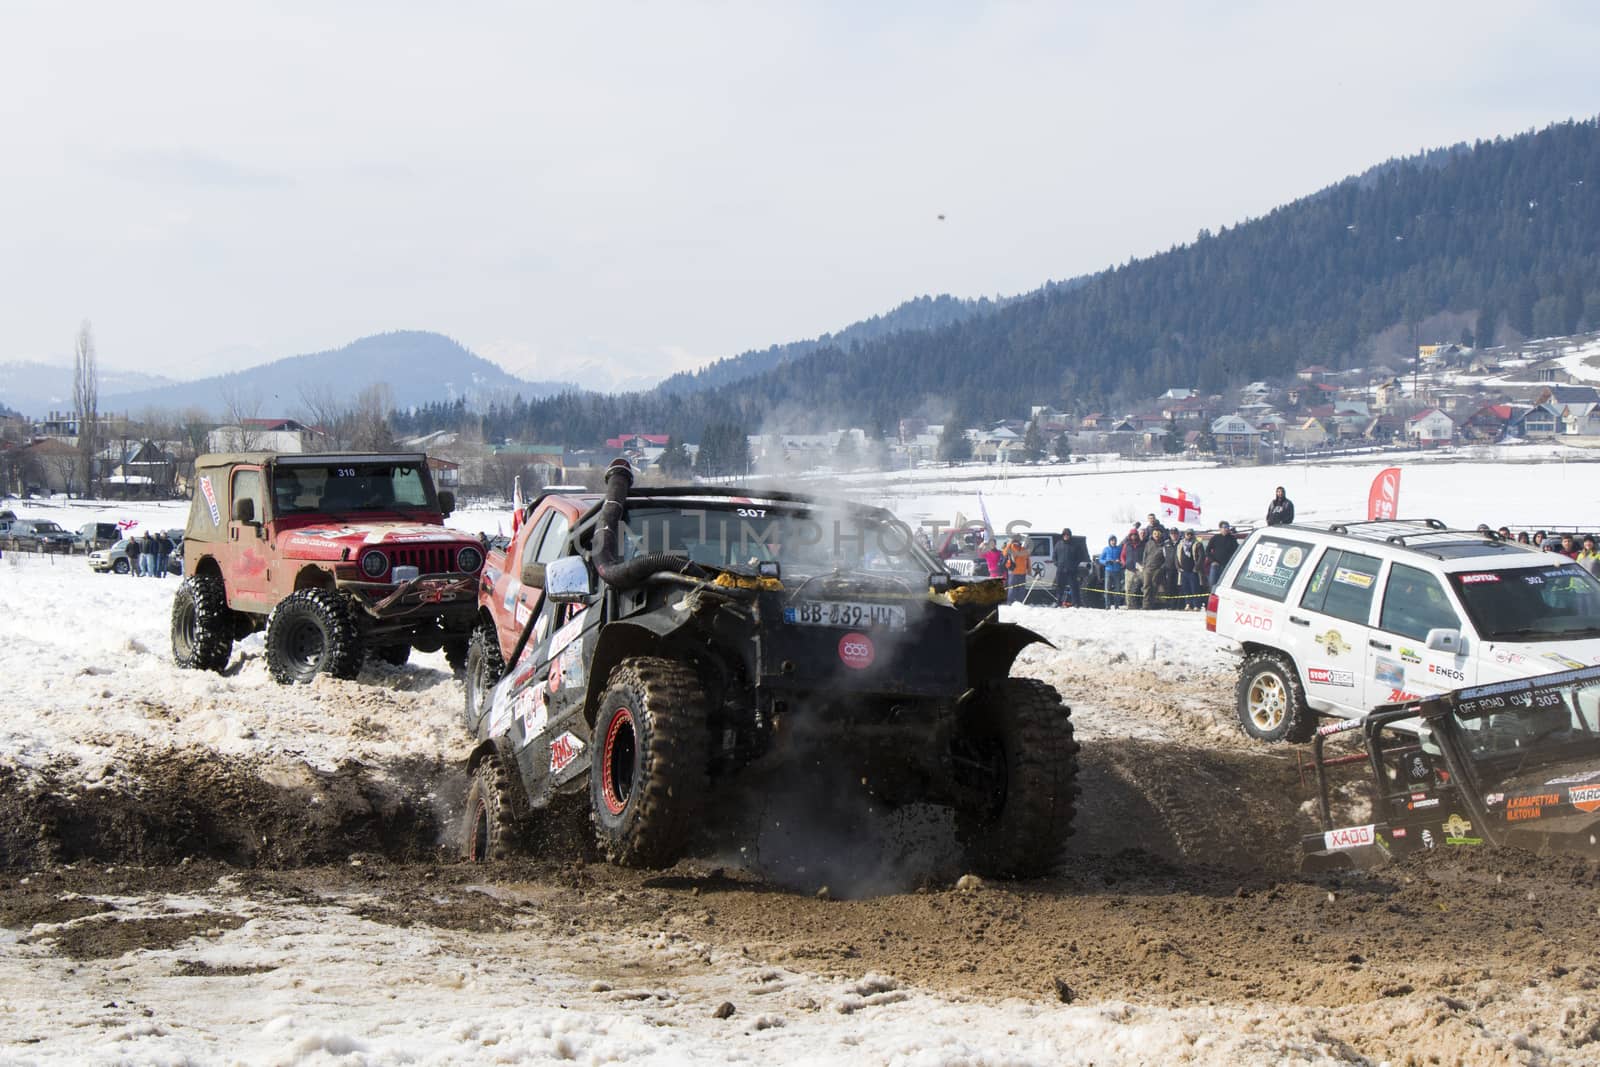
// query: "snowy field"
[[266, 978]]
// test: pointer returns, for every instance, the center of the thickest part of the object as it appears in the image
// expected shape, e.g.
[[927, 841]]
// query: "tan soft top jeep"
[[336, 555]]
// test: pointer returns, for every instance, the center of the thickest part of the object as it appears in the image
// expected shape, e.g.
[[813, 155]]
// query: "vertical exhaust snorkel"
[[613, 569]]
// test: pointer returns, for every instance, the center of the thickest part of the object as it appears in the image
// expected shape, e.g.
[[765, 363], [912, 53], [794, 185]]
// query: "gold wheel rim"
[[1268, 702]]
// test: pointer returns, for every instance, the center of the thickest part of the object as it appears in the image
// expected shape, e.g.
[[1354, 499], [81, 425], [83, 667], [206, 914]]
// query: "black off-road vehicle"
[[686, 635], [1512, 763]]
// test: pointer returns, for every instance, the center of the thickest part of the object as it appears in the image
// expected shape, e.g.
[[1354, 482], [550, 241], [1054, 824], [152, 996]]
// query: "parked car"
[[93, 535], [1342, 619], [117, 558], [41, 535]]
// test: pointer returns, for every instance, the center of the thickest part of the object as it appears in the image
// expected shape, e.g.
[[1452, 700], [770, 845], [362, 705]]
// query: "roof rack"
[[1415, 534]]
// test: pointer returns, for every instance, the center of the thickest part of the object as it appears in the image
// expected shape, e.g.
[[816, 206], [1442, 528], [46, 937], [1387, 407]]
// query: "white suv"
[[1342, 619]]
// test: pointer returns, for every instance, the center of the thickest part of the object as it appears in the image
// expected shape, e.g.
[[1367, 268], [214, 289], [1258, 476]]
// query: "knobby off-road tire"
[[455, 652], [647, 774], [202, 625], [1270, 700], [309, 633], [1021, 733], [485, 665], [491, 824]]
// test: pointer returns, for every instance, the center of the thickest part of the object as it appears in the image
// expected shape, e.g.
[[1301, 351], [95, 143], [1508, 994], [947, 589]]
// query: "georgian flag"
[[1179, 505]]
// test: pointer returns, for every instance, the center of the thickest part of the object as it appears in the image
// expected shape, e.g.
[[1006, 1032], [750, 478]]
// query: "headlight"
[[469, 559], [374, 563]]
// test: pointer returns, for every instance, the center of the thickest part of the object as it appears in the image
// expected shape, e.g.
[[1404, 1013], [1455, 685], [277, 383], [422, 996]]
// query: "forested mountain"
[[418, 366], [1504, 232], [922, 313]]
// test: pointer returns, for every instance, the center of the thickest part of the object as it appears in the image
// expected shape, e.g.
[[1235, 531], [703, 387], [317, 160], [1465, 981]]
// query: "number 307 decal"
[[752, 513]]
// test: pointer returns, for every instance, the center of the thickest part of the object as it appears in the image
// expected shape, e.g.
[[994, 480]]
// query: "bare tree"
[[86, 402], [323, 411], [370, 431], [240, 409]]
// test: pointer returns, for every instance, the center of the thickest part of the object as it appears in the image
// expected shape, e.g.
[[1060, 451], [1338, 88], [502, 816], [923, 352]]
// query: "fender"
[[643, 635], [992, 646]]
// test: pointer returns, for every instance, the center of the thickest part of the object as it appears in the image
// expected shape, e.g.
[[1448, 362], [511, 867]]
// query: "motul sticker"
[[1474, 579], [211, 499], [1585, 797], [563, 750], [1350, 837], [857, 651]]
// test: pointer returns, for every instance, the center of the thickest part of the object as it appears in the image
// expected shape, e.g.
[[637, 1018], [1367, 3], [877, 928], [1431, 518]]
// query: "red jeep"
[[506, 598], [336, 556]]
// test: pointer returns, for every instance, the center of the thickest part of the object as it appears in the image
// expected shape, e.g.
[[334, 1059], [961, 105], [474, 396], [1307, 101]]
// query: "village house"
[[1309, 433], [266, 435], [1541, 420], [1234, 436], [1430, 428]]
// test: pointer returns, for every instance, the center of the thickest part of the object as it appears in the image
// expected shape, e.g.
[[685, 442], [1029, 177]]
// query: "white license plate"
[[847, 613]]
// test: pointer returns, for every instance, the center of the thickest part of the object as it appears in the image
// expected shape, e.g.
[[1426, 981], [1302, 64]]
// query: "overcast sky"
[[646, 187]]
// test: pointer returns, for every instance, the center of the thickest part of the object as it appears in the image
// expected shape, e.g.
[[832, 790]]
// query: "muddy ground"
[[1181, 890]]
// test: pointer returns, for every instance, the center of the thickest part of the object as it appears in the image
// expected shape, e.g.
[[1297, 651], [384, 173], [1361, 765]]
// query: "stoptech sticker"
[[1325, 676], [1350, 837], [1585, 797], [856, 651]]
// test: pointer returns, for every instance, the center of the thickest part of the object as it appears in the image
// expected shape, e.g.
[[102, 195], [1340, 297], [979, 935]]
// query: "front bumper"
[[422, 597]]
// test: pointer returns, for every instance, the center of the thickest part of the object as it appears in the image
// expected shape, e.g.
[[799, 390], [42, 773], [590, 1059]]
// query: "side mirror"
[[447, 501], [568, 581], [533, 575], [939, 582], [769, 568], [244, 510], [1442, 640]]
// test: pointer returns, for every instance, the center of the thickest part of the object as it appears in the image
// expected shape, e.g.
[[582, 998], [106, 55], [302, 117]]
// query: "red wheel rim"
[[616, 782]]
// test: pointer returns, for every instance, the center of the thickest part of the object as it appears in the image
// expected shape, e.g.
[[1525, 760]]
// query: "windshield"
[[1533, 723], [342, 487], [803, 544], [47, 527], [1531, 604]]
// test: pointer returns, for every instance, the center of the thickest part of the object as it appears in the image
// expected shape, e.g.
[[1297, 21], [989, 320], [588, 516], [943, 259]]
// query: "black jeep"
[[688, 634], [1512, 763]]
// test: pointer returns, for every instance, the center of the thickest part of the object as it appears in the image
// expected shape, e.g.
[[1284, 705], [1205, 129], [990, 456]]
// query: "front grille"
[[428, 559]]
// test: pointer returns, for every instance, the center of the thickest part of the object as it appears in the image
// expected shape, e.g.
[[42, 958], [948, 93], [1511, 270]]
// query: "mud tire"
[[1021, 728], [309, 633], [647, 773], [491, 824], [1271, 702], [202, 625], [484, 668]]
